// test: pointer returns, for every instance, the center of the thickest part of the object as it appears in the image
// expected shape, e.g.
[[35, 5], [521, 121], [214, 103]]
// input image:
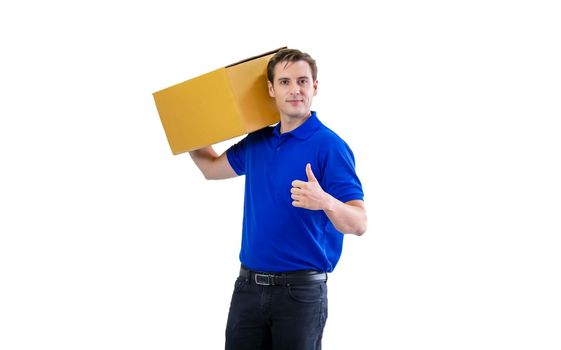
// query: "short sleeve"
[[236, 155], [339, 176]]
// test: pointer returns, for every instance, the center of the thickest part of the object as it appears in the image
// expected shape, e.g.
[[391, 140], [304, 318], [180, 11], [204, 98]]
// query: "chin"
[[296, 112]]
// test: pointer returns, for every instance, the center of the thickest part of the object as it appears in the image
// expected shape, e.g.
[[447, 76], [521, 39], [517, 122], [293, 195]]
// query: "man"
[[301, 195]]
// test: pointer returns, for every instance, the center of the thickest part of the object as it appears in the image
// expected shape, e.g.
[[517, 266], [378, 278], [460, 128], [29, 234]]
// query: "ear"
[[271, 89], [315, 87]]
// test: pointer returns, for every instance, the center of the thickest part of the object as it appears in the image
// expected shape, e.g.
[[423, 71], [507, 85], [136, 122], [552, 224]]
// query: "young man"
[[301, 195]]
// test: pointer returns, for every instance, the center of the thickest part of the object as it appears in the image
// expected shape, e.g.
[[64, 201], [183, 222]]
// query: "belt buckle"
[[264, 279]]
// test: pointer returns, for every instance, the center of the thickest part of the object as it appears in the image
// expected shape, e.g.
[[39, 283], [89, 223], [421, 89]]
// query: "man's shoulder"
[[325, 134], [260, 134], [331, 141], [268, 130]]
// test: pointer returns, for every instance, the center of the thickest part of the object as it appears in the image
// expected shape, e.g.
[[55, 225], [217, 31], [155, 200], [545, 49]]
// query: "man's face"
[[293, 88]]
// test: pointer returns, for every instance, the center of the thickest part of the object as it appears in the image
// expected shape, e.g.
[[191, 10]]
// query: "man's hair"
[[288, 56]]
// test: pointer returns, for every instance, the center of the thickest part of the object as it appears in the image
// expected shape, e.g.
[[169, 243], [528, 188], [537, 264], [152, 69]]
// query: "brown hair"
[[290, 55]]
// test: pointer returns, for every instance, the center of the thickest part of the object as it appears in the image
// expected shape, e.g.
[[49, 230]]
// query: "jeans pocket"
[[307, 293], [240, 284]]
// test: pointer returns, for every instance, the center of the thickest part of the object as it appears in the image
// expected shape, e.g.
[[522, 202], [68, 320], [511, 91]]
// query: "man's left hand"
[[309, 195]]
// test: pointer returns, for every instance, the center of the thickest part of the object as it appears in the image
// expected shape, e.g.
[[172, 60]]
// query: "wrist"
[[329, 203]]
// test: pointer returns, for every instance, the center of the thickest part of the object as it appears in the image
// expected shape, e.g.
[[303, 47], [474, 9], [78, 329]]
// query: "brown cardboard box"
[[217, 106]]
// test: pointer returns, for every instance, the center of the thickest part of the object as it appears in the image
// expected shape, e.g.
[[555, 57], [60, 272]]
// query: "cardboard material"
[[217, 106]]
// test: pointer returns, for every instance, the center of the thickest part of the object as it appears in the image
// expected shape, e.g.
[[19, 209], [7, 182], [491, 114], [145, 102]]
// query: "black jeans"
[[276, 317]]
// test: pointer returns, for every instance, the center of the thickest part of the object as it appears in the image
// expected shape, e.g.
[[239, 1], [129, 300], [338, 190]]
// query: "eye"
[[283, 82], [303, 81]]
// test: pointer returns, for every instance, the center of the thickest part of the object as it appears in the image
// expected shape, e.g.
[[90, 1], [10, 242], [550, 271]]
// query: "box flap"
[[270, 53]]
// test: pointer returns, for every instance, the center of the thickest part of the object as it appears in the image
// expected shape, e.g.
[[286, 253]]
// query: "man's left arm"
[[348, 217]]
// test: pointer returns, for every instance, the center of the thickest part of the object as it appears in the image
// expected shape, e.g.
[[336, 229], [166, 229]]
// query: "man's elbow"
[[209, 172], [357, 228], [210, 176], [361, 224], [361, 228], [218, 174], [358, 221]]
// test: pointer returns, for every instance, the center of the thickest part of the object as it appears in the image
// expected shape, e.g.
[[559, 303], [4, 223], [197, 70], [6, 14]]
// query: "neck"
[[289, 123]]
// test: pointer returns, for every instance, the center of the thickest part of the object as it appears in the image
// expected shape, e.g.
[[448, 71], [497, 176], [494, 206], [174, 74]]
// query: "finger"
[[296, 190], [298, 183], [310, 173]]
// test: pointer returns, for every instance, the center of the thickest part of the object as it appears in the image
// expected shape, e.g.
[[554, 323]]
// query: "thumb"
[[310, 173]]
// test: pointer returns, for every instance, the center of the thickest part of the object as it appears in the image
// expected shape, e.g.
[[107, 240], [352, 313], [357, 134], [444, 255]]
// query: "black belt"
[[284, 278]]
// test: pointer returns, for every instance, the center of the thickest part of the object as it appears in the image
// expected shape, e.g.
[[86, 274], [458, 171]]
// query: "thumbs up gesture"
[[309, 195]]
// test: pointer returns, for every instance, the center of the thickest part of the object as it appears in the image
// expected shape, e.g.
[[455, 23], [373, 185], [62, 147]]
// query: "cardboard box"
[[217, 106]]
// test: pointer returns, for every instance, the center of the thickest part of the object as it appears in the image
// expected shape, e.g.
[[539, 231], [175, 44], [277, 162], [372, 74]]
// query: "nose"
[[295, 89]]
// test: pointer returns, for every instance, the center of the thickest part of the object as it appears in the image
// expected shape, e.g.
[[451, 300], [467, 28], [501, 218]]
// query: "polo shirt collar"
[[304, 131]]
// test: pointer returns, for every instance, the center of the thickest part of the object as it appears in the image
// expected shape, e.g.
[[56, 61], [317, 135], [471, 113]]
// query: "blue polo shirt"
[[277, 236]]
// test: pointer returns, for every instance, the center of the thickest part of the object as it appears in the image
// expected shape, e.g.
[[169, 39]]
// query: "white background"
[[452, 110]]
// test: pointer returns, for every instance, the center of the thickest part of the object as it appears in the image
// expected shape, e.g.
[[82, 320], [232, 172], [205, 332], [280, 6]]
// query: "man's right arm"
[[213, 166]]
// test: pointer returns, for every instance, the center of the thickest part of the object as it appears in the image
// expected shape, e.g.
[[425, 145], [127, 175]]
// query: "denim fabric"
[[276, 317]]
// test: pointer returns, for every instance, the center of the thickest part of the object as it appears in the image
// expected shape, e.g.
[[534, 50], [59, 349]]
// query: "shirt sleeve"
[[236, 155], [339, 176]]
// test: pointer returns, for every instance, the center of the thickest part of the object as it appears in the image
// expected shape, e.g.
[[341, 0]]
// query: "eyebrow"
[[302, 77]]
